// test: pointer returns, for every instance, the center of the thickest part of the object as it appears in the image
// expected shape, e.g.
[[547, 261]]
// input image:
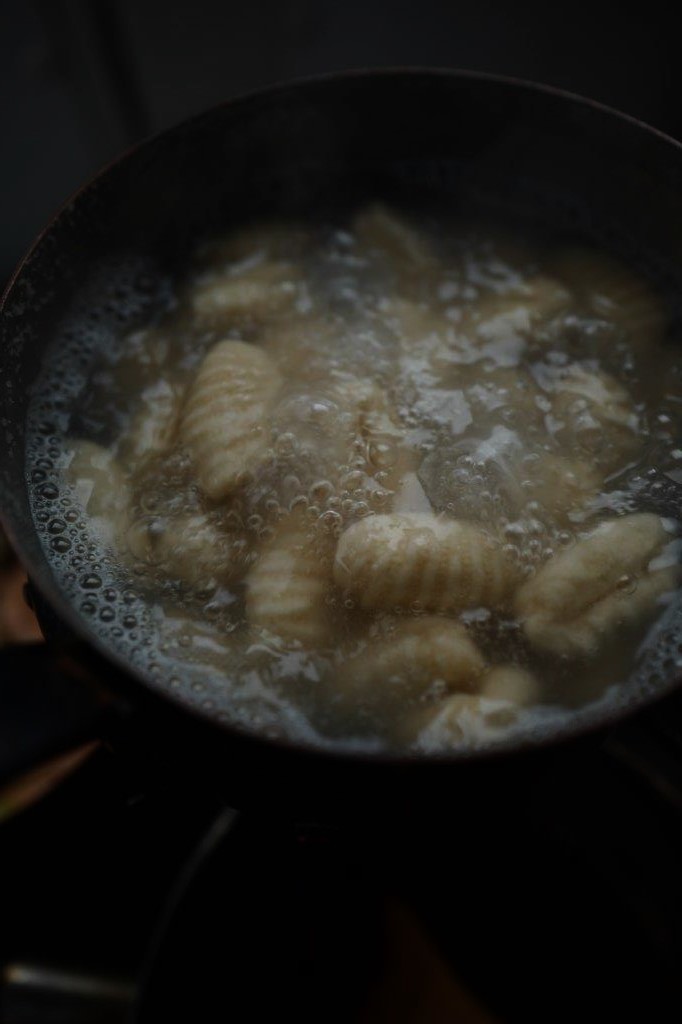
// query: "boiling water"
[[488, 352]]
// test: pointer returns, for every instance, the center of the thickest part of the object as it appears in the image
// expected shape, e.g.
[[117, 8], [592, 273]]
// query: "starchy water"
[[442, 372]]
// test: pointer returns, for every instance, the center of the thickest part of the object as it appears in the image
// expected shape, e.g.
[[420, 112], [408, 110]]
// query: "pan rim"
[[580, 726]]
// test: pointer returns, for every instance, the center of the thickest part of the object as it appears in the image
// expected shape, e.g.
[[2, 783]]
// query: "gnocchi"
[[257, 289], [415, 655], [406, 560], [397, 677], [381, 482], [287, 588], [601, 584], [223, 421], [511, 683]]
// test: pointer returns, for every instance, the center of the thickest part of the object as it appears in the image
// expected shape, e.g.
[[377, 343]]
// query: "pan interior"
[[422, 142], [80, 396]]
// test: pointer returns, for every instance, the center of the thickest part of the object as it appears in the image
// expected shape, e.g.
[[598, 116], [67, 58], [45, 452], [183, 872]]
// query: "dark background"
[[82, 79]]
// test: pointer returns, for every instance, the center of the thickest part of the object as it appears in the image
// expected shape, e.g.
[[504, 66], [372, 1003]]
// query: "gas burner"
[[151, 903], [137, 899]]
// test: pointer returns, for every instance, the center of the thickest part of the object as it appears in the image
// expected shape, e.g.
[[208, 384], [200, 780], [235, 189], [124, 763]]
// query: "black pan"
[[305, 149]]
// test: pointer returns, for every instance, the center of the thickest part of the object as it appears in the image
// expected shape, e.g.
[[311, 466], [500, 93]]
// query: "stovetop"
[[132, 898], [155, 902]]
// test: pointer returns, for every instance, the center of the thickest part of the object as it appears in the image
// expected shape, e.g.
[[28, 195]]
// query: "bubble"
[[331, 521], [626, 583], [60, 544], [382, 456], [49, 491], [320, 491], [286, 444], [107, 614], [91, 581], [380, 498]]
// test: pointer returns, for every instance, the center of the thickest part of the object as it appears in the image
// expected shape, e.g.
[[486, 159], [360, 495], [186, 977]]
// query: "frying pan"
[[306, 149]]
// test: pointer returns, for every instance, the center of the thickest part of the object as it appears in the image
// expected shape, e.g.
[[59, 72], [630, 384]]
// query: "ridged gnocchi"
[[406, 560], [288, 586], [599, 585], [223, 422], [255, 289]]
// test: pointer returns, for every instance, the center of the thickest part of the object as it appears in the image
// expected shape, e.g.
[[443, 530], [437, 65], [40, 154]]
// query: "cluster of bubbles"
[[87, 569]]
